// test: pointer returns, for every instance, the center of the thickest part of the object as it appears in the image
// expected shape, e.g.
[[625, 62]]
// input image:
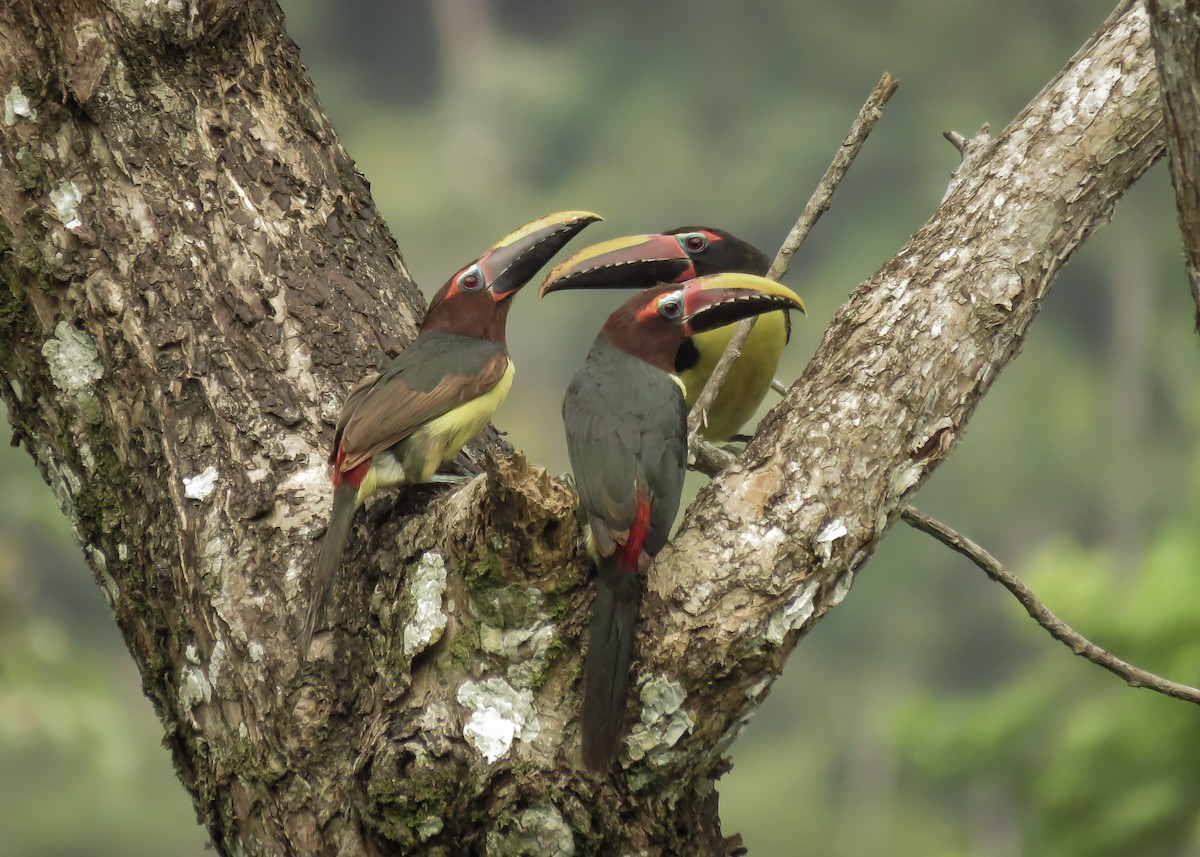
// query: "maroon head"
[[475, 300]]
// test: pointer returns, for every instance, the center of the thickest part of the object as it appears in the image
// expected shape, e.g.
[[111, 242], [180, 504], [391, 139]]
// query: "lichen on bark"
[[194, 274]]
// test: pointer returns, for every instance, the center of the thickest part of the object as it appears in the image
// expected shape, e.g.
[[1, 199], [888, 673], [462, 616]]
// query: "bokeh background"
[[925, 716]]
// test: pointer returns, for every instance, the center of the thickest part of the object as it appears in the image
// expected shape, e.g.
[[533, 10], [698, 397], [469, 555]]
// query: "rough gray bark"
[[774, 543], [195, 274], [1175, 34]]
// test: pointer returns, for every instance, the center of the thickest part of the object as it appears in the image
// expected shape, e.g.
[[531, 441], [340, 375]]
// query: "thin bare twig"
[[1059, 630], [817, 205]]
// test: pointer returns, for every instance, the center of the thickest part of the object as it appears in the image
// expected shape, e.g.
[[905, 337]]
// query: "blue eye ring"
[[471, 280], [670, 307], [694, 242]]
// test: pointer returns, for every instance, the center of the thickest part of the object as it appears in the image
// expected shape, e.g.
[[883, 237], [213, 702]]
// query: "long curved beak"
[[513, 260], [632, 262], [721, 299]]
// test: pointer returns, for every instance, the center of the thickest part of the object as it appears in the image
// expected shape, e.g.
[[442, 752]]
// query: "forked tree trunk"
[[195, 274]]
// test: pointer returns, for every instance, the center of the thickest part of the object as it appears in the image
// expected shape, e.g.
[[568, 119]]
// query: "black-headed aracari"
[[626, 427], [399, 425], [641, 261]]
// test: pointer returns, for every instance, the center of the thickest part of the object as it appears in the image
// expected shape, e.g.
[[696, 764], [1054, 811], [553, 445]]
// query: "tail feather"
[[345, 502], [606, 670]]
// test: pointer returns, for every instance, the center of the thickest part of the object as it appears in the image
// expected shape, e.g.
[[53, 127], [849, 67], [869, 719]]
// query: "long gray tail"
[[606, 671], [334, 545]]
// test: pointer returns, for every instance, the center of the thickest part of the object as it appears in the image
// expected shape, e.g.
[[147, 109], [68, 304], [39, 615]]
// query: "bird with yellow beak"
[[626, 428], [642, 261], [399, 425]]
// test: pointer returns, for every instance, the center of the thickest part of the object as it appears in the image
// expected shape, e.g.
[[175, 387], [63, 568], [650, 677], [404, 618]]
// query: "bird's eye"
[[694, 242], [670, 307], [471, 280]]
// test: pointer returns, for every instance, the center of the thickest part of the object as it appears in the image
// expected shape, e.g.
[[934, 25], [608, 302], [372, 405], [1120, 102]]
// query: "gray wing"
[[626, 438]]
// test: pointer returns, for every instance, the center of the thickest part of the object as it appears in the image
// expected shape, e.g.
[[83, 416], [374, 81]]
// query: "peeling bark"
[[195, 274], [774, 543], [1175, 33]]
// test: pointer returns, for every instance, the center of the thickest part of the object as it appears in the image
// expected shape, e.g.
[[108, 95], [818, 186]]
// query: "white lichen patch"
[[99, 560], [907, 476], [312, 480], [200, 486], [526, 645], [700, 593], [830, 533], [790, 616], [74, 367], [213, 559], [940, 317], [758, 538], [1097, 94], [663, 720], [539, 831], [256, 651], [427, 587], [842, 587], [108, 583], [431, 826], [66, 201], [217, 662], [505, 642], [525, 672], [194, 688], [16, 105], [500, 715]]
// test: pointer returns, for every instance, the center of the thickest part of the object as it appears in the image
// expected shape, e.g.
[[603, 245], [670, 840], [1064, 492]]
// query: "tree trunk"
[[196, 275], [1175, 32]]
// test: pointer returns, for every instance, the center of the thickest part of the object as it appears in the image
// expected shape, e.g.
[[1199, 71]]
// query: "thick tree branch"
[[775, 540], [714, 460], [1175, 33], [196, 275], [1058, 629]]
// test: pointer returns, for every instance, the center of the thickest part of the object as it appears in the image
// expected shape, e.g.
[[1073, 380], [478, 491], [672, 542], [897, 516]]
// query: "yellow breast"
[[749, 378], [440, 439]]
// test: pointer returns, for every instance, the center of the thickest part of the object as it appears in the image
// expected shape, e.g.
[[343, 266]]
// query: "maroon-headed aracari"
[[399, 425], [626, 427], [641, 261]]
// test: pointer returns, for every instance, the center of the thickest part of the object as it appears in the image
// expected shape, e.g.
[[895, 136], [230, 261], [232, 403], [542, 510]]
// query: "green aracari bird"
[[399, 425], [641, 261], [626, 429]]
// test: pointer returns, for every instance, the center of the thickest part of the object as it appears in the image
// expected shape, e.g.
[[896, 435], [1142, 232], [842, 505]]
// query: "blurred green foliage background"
[[927, 715]]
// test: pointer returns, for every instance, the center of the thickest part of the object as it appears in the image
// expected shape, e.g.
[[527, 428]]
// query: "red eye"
[[671, 306], [695, 242], [471, 280]]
